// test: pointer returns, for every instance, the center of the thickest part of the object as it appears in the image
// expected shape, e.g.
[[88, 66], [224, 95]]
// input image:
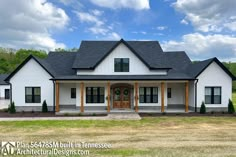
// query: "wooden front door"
[[121, 97]]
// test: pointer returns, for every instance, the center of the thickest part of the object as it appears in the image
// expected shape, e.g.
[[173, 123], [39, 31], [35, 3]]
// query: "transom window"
[[121, 64], [32, 95], [212, 95], [148, 94], [94, 94]]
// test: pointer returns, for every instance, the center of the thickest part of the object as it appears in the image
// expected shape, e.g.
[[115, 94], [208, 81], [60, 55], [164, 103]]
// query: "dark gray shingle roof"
[[195, 68], [63, 65], [60, 63], [91, 53], [2, 78]]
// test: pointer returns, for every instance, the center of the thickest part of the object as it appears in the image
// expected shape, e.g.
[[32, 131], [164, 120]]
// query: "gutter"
[[195, 86]]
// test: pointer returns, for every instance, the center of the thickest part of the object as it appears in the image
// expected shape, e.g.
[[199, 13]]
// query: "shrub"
[[203, 108], [45, 106], [12, 108], [231, 109]]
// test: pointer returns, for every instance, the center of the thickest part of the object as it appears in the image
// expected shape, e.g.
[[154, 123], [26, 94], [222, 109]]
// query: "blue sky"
[[160, 22], [203, 29]]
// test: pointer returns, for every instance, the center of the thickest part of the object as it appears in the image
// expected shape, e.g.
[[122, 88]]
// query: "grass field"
[[159, 136]]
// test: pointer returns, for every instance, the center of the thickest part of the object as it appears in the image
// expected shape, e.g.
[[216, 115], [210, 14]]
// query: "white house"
[[120, 76], [4, 92]]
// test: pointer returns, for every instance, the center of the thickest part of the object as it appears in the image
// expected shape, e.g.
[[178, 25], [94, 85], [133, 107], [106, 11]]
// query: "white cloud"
[[161, 28], [26, 24], [97, 25], [207, 15], [199, 46], [113, 36], [116, 4], [73, 28], [184, 22], [98, 30], [89, 18], [96, 12]]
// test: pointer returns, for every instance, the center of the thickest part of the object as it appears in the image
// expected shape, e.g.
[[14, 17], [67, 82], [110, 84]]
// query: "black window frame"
[[73, 93], [95, 98], [7, 96], [121, 67], [145, 98], [34, 100], [169, 93], [212, 96]]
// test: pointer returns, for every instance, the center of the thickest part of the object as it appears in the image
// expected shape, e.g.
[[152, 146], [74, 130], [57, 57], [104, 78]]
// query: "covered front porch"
[[124, 96]]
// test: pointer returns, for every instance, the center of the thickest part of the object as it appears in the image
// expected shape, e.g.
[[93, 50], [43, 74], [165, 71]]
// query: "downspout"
[[54, 110], [195, 85]]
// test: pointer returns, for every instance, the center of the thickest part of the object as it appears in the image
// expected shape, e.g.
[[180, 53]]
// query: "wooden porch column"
[[108, 96], [186, 95], [82, 97], [162, 97], [136, 96], [57, 97]]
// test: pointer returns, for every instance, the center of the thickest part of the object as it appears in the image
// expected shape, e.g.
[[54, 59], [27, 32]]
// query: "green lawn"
[[234, 99], [157, 136]]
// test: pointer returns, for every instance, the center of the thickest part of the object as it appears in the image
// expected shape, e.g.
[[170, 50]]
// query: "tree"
[[231, 109], [44, 106], [10, 59], [203, 108]]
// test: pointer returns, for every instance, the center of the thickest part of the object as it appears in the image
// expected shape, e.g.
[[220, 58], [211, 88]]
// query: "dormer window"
[[121, 64]]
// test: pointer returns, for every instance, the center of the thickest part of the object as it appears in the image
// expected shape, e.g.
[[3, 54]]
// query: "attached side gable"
[[219, 64], [214, 76], [23, 64]]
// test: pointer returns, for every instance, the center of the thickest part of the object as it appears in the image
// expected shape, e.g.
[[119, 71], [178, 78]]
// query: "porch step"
[[123, 116]]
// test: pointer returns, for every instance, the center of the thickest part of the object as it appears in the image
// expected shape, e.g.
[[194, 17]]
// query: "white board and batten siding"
[[65, 94], [136, 66], [214, 76], [31, 75]]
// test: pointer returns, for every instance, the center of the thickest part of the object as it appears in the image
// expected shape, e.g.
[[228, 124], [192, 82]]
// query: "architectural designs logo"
[[7, 148]]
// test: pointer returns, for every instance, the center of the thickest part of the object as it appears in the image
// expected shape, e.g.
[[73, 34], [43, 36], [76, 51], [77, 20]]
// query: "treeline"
[[10, 59]]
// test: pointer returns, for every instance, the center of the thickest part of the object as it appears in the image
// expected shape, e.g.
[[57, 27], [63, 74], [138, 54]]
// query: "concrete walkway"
[[122, 116]]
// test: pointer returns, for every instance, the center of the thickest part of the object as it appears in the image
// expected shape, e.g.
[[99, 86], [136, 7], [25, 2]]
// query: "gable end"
[[23, 63], [221, 65]]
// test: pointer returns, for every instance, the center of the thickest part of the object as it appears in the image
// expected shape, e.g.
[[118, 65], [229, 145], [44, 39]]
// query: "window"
[[73, 93], [7, 93], [168, 92], [94, 94], [213, 95], [121, 64], [32, 95], [148, 95]]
